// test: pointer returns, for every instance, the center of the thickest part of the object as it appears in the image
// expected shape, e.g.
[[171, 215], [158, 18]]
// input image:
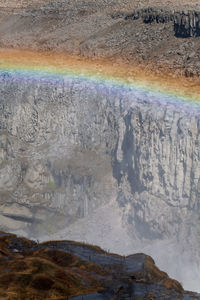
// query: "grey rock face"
[[68, 147], [59, 140], [55, 151]]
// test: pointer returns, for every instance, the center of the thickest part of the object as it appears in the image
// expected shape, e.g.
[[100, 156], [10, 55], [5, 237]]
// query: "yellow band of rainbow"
[[58, 65]]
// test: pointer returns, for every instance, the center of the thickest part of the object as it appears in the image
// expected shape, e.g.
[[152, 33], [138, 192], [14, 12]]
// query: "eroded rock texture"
[[64, 145], [70, 147]]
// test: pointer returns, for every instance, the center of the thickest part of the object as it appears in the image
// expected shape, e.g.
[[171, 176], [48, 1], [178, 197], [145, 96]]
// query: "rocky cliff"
[[112, 166], [71, 147]]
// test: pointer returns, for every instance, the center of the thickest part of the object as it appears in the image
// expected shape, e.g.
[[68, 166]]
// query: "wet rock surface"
[[71, 270]]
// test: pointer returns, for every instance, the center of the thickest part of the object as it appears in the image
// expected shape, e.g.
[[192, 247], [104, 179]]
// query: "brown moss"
[[42, 282], [17, 265], [55, 273], [172, 284], [95, 248], [6, 280], [153, 274], [61, 258]]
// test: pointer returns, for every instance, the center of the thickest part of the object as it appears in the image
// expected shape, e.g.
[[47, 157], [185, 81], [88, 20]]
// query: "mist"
[[109, 165], [107, 227]]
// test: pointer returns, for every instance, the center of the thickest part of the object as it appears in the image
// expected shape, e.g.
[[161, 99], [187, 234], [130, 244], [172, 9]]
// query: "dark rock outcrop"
[[72, 270], [150, 15], [186, 23]]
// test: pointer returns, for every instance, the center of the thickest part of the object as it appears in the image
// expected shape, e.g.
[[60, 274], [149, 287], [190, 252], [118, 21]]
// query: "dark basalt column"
[[186, 23]]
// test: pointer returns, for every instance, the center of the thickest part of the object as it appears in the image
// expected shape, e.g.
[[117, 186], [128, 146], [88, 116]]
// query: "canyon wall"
[[70, 147]]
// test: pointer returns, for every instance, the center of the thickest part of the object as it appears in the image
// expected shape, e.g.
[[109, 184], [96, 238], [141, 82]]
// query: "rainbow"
[[50, 67]]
